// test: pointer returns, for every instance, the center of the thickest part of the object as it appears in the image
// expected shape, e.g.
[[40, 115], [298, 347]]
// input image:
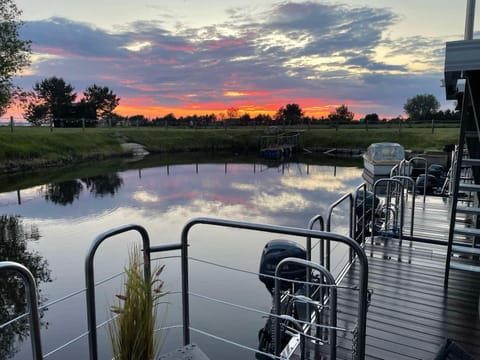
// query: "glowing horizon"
[[132, 107]]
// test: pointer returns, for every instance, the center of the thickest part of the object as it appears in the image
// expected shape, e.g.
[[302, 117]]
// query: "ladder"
[[463, 252]]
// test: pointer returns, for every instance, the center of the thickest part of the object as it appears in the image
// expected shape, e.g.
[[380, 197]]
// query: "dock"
[[279, 145], [411, 314]]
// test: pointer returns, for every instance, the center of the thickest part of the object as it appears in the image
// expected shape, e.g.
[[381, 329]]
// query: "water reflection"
[[14, 236], [103, 185], [63, 193], [66, 192], [162, 199]]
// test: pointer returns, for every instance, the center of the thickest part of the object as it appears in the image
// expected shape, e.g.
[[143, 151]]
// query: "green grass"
[[410, 138], [37, 147], [29, 148], [177, 140]]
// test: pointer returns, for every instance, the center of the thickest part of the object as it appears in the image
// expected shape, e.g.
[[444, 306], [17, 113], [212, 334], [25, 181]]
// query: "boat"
[[381, 158]]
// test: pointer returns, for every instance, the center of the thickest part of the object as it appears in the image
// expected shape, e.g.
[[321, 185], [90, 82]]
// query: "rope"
[[66, 344], [166, 257], [246, 308], [353, 287]]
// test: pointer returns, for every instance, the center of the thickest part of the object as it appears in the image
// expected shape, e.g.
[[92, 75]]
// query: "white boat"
[[380, 158]]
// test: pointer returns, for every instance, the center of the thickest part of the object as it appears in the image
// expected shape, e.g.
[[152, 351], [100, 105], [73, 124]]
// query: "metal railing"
[[305, 233], [32, 301], [394, 203], [183, 246], [409, 180], [89, 274], [347, 197], [353, 217], [416, 159], [332, 336]]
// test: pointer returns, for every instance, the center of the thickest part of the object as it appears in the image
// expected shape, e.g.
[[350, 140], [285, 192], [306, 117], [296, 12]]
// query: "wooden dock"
[[411, 313], [278, 145]]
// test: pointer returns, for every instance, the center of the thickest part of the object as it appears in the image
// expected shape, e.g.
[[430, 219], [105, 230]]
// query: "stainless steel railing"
[[182, 247], [32, 301]]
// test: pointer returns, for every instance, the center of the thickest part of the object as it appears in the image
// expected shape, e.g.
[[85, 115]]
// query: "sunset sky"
[[198, 56]]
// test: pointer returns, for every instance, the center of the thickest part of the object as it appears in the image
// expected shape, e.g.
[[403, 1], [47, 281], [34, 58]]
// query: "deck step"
[[466, 250], [464, 267], [471, 162], [472, 134], [468, 210], [467, 231], [469, 187]]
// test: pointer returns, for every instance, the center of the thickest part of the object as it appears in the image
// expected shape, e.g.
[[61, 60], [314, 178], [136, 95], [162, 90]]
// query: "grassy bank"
[[27, 148]]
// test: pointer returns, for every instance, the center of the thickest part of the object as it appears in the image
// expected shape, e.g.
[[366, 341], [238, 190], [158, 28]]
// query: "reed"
[[132, 332]]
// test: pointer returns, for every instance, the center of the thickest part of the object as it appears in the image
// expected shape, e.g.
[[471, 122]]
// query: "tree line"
[[53, 100]]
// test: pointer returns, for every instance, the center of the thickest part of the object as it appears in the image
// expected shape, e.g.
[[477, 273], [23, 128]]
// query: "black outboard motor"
[[431, 183], [274, 252], [436, 170], [370, 206]]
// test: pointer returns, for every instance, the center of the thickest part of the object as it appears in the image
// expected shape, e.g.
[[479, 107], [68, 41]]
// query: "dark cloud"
[[367, 62], [330, 28], [277, 51], [73, 38]]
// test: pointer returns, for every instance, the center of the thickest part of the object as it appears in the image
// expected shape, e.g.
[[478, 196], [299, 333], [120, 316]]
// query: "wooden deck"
[[410, 314], [432, 218]]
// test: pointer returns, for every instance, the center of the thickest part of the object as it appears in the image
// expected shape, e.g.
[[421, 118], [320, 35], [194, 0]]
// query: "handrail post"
[[311, 224], [90, 280], [333, 301], [389, 181], [348, 196], [416, 158], [414, 193], [354, 224], [185, 291], [361, 257], [32, 301]]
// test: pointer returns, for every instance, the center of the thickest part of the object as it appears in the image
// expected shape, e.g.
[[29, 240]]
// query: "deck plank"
[[410, 314]]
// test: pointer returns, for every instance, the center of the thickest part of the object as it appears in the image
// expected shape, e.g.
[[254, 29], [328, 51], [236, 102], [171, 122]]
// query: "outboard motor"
[[431, 183], [368, 197], [274, 252], [370, 206], [436, 170]]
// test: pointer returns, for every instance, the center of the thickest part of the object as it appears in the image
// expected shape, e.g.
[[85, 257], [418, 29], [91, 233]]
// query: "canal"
[[49, 220]]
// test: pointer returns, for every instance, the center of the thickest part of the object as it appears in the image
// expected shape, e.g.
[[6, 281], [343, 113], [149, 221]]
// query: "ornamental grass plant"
[[132, 331]]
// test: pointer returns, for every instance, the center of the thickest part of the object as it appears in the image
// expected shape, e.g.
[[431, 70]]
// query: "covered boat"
[[380, 158]]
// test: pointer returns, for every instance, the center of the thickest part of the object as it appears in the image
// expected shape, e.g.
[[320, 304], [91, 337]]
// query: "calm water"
[[49, 227]]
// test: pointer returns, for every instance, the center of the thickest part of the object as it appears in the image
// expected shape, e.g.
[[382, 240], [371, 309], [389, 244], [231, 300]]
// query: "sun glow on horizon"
[[151, 111]]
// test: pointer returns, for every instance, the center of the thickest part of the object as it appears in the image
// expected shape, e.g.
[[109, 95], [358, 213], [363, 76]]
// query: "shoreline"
[[28, 149]]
